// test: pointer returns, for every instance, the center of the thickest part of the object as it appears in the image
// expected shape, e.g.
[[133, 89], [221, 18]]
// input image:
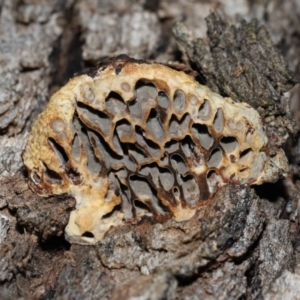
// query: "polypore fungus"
[[140, 138]]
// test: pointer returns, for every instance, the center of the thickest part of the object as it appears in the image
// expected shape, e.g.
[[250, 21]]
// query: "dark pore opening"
[[88, 234]]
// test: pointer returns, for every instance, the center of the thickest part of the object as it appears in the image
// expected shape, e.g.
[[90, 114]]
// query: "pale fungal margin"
[[140, 139]]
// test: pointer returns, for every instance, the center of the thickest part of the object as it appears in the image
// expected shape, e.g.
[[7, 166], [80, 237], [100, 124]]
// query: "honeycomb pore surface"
[[137, 139]]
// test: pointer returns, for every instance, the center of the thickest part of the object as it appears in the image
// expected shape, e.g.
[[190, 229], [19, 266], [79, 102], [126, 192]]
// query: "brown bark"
[[243, 244]]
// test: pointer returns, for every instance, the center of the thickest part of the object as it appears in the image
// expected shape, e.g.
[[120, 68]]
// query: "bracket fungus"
[[143, 139]]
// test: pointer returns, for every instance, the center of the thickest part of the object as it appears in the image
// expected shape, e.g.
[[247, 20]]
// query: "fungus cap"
[[140, 138]]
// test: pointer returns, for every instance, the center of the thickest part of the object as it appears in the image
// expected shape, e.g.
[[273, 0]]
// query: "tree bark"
[[243, 243]]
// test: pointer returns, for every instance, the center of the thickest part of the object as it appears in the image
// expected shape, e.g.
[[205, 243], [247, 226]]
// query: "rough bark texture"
[[244, 243]]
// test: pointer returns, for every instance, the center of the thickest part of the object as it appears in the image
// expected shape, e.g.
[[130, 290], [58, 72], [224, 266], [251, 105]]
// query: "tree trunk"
[[242, 244]]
